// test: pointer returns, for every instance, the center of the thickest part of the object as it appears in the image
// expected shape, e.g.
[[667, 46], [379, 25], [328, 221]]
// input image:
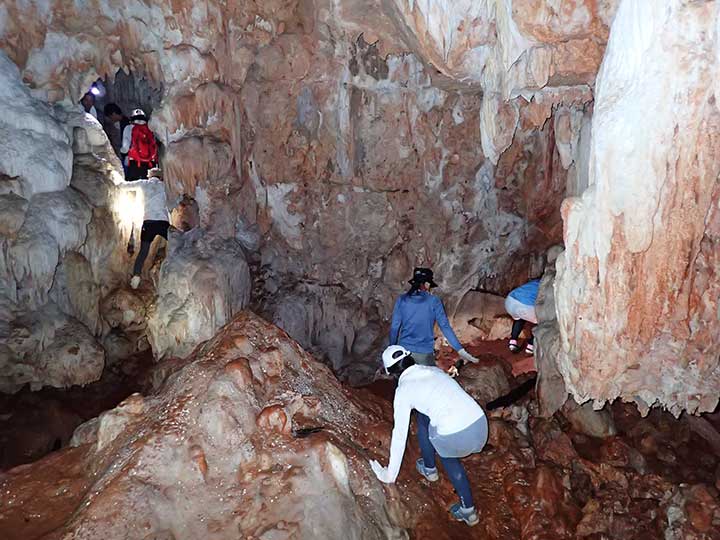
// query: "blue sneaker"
[[429, 474], [468, 515]]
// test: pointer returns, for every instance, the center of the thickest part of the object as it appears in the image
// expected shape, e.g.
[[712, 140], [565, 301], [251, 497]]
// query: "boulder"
[[202, 283], [485, 382], [481, 315], [587, 420], [250, 437]]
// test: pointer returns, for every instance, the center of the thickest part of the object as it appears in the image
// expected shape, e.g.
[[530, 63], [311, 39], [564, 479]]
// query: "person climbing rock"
[[114, 125], [88, 104], [156, 216], [414, 318], [449, 422], [139, 146], [520, 305]]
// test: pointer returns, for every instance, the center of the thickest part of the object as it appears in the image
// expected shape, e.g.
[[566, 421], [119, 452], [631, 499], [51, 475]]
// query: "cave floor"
[[536, 479], [655, 479]]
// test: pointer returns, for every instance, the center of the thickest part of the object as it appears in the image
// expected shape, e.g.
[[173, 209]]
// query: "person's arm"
[[401, 425], [396, 323], [126, 139], [402, 409], [444, 324]]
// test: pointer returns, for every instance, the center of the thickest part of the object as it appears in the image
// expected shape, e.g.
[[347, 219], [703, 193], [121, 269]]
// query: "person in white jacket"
[[449, 421], [156, 216]]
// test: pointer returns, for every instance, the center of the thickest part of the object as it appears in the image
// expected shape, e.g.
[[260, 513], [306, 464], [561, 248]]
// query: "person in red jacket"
[[139, 144]]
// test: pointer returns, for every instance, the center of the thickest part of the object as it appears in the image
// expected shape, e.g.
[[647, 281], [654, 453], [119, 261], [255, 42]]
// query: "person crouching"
[[449, 422]]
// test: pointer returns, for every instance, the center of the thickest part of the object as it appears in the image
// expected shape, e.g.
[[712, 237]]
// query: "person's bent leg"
[[150, 229], [454, 469], [427, 451], [142, 255], [517, 328]]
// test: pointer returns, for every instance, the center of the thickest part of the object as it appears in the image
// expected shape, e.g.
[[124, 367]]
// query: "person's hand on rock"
[[467, 356], [381, 472]]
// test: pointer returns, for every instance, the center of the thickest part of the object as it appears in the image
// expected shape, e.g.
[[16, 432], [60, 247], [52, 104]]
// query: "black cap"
[[422, 275]]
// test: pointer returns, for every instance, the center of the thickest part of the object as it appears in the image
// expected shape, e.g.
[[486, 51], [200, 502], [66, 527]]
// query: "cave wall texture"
[[637, 289], [337, 144]]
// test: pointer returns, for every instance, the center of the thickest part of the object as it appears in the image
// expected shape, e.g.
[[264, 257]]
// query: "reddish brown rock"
[[636, 323]]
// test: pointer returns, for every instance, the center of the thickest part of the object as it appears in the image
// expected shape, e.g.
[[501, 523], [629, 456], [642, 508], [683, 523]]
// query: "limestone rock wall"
[[322, 137], [50, 273], [637, 289], [542, 51], [339, 144]]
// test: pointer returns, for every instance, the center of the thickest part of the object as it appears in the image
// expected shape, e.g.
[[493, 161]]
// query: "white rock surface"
[[638, 286], [36, 152], [51, 279], [46, 347], [202, 283]]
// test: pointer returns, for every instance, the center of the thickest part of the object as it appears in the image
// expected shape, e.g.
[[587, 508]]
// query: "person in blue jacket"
[[414, 318], [520, 304]]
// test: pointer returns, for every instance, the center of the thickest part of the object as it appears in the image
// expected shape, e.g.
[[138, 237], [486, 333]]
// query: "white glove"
[[453, 371], [381, 472], [467, 356]]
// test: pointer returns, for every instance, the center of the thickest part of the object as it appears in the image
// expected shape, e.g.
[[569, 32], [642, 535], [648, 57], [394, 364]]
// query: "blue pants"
[[452, 466]]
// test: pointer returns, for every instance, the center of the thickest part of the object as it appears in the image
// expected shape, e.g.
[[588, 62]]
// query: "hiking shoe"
[[530, 348], [468, 515], [135, 282], [514, 347], [430, 474]]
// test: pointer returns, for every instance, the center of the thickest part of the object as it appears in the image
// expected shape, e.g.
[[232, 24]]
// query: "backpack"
[[143, 147]]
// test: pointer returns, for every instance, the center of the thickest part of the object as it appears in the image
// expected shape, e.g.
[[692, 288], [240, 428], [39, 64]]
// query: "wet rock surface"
[[252, 435]]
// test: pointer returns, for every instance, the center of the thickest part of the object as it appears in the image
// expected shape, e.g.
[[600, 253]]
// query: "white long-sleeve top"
[[434, 393], [126, 138], [155, 205]]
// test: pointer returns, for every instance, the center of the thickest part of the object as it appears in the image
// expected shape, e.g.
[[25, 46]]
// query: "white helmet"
[[392, 355], [138, 117]]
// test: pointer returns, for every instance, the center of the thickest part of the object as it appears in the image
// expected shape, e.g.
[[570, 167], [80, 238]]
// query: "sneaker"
[[429, 474], [468, 515], [514, 347], [530, 348], [135, 282]]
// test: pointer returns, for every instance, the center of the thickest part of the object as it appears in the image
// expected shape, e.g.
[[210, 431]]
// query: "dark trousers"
[[517, 328], [452, 466], [150, 229], [137, 171]]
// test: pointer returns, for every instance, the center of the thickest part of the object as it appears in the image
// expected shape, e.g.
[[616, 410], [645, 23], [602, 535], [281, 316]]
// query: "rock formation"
[[637, 289], [342, 143], [52, 262], [251, 437], [335, 145]]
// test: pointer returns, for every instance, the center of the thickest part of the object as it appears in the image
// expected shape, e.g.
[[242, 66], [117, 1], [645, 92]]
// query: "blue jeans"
[[452, 466]]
